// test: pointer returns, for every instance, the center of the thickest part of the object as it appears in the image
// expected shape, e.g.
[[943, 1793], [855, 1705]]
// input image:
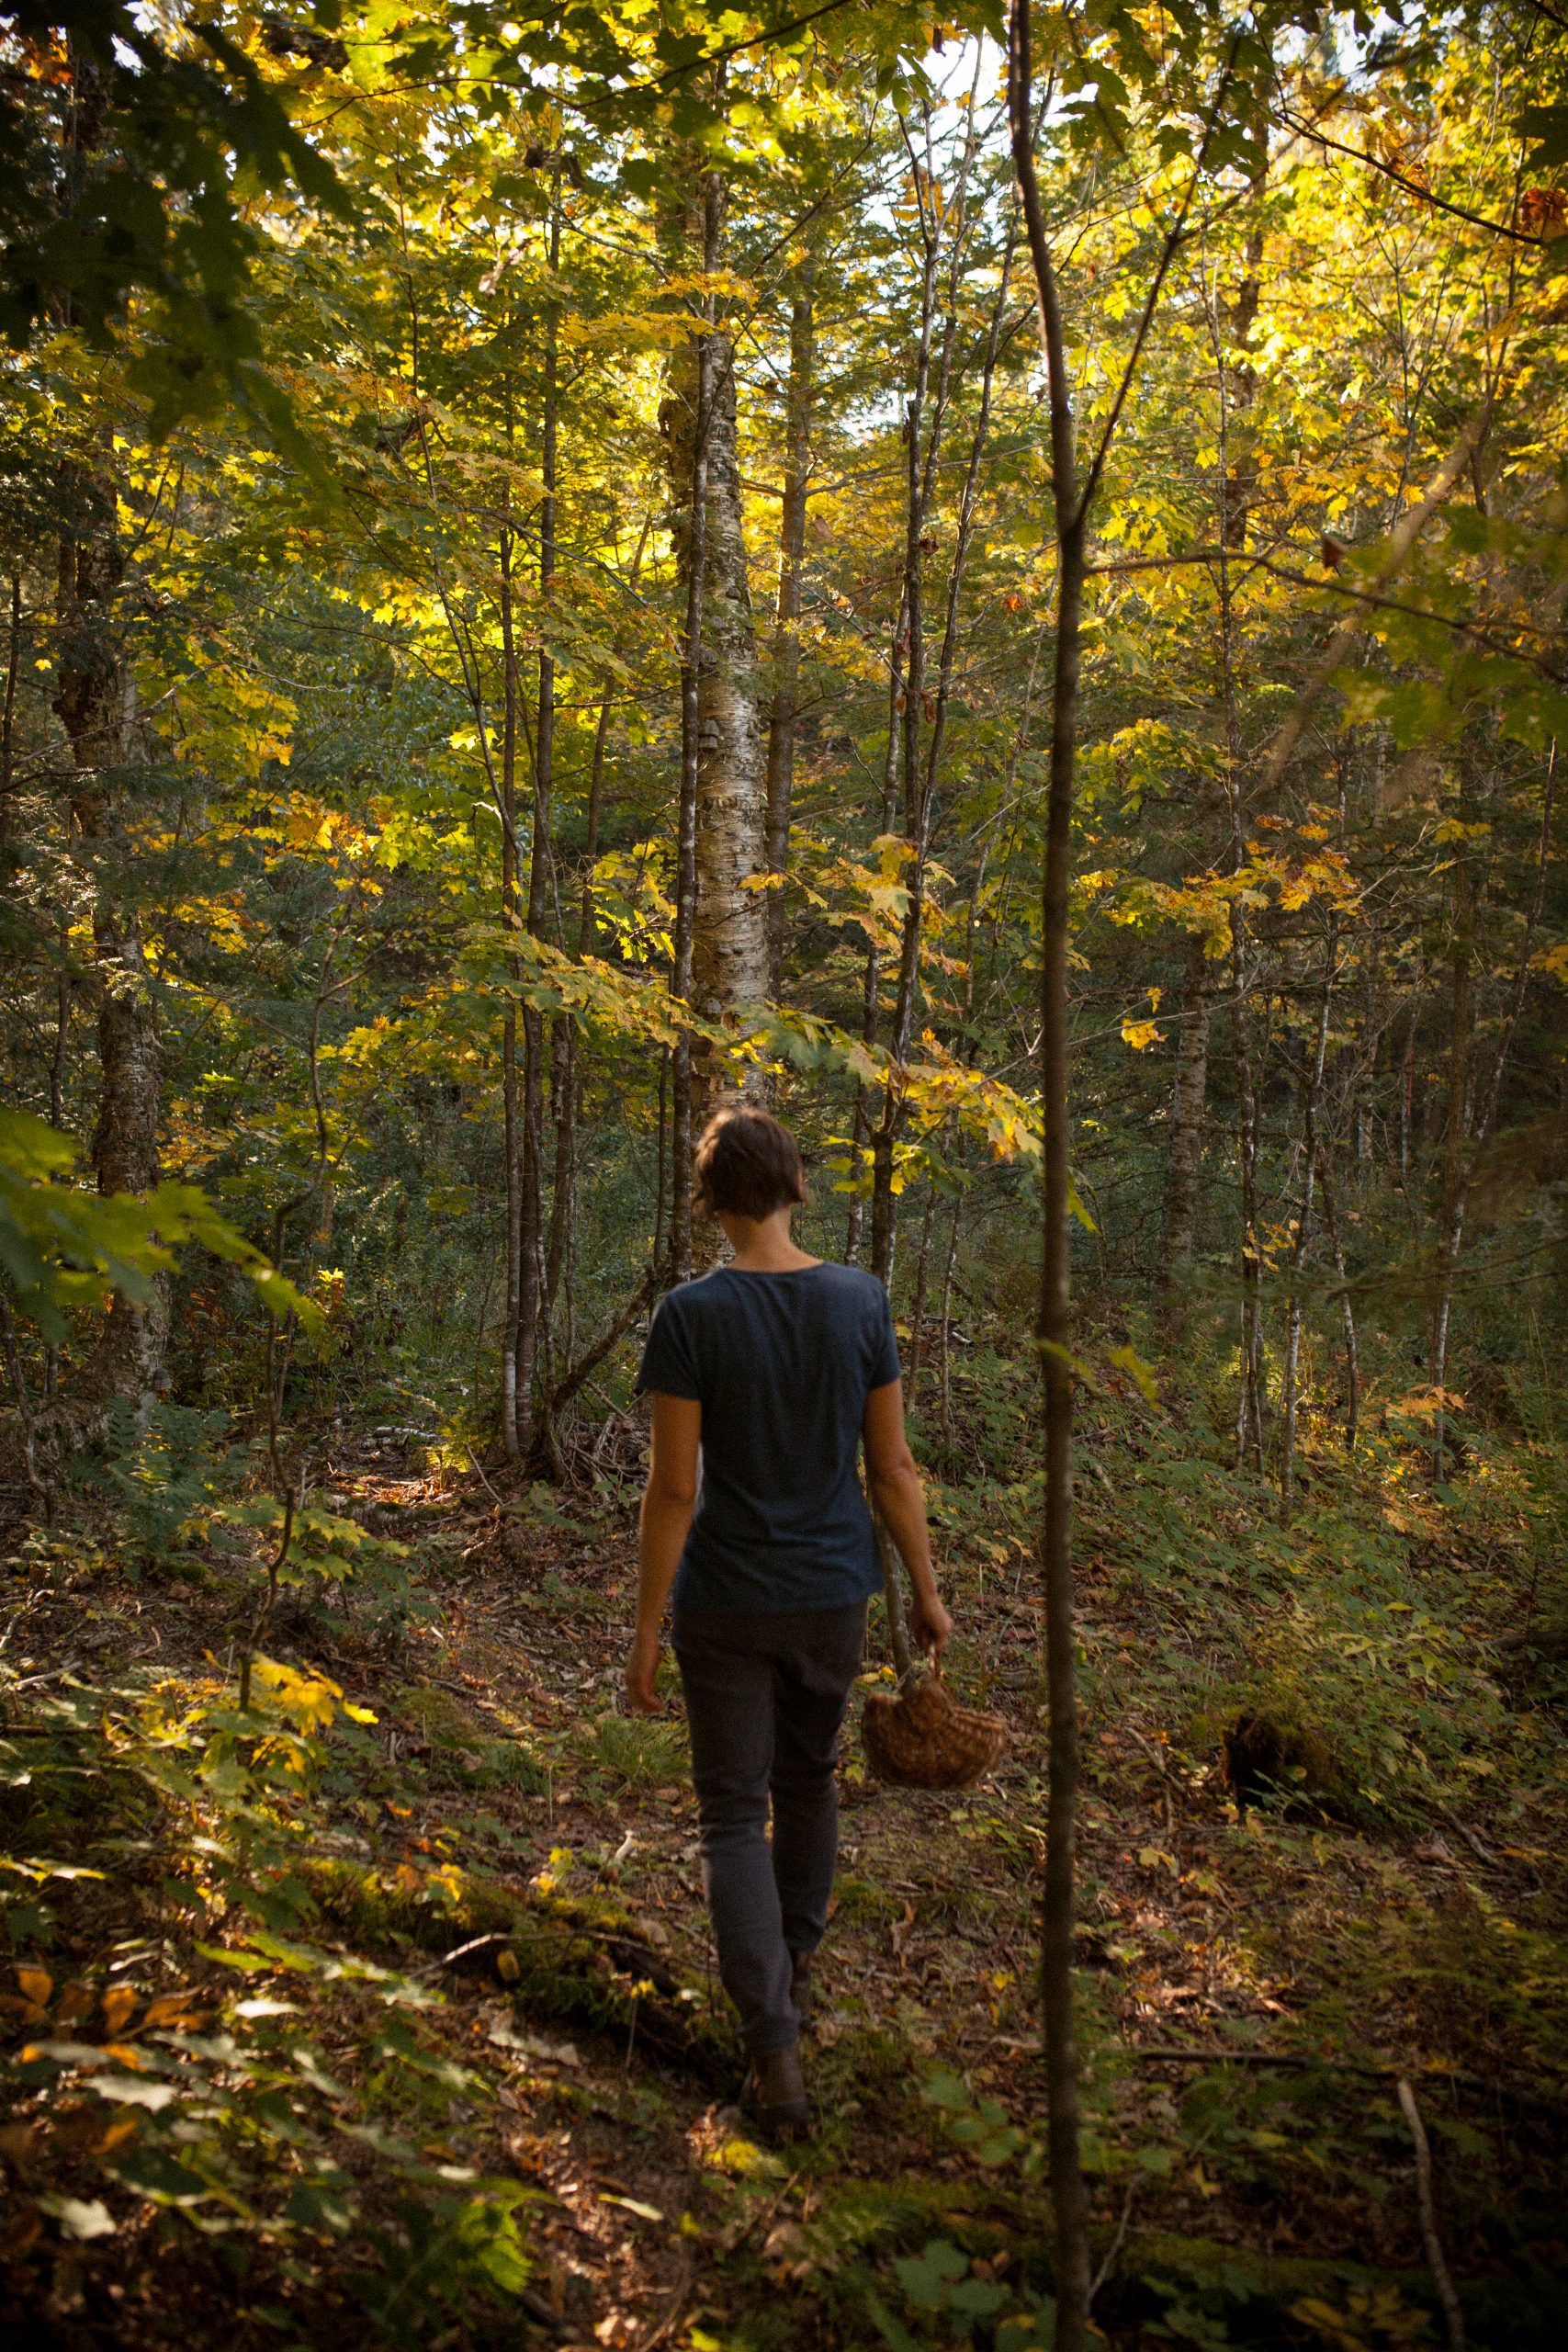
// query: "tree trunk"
[[1452, 1212], [1249, 1405], [921, 778], [947, 1326], [1347, 1305], [563, 1198], [531, 1235], [1463, 1172], [561, 1262], [686, 421], [511, 919], [93, 700], [8, 728], [787, 629], [729, 938], [1237, 482], [917, 1315], [870, 999], [1407, 1082], [912, 639], [1290, 1376], [1068, 2196], [1189, 1095]]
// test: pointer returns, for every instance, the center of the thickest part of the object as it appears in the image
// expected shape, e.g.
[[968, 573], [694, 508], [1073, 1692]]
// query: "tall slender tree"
[[1069, 502], [784, 706]]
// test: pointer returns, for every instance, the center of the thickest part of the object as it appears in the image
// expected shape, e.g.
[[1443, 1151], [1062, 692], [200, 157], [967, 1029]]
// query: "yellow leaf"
[[310, 1701], [1139, 1033], [1140, 1374]]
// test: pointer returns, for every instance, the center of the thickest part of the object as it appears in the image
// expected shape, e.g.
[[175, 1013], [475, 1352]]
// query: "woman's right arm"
[[896, 1485], [668, 1503]]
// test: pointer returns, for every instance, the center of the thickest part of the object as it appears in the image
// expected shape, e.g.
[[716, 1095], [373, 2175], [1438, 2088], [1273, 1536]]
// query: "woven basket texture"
[[924, 1738]]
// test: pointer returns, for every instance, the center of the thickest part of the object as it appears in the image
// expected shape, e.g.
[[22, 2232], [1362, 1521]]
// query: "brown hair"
[[748, 1165]]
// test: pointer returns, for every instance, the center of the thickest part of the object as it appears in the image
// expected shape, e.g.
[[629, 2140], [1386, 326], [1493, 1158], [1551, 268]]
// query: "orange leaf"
[[75, 2002], [36, 1983], [170, 2008], [118, 2002]]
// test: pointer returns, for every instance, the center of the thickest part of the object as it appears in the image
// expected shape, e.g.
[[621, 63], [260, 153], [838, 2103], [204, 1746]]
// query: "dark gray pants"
[[765, 1697]]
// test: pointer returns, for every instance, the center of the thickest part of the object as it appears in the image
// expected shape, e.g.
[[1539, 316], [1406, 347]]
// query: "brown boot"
[[800, 1988], [774, 2096]]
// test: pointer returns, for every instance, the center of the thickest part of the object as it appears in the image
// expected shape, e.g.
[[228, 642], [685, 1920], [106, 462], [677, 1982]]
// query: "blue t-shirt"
[[782, 1365]]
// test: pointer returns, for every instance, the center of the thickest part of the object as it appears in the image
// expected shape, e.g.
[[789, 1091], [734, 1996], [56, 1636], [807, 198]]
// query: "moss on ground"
[[576, 1958], [464, 1751]]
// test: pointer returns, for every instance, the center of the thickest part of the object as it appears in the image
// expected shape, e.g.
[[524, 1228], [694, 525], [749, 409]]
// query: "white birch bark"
[[729, 933]]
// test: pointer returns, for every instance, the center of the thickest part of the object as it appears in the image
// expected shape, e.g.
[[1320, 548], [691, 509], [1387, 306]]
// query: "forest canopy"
[[993, 584]]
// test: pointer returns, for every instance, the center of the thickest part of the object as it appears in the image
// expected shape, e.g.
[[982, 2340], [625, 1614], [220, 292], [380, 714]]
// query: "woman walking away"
[[766, 1375]]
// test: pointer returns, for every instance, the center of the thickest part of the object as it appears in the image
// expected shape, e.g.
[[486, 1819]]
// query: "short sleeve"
[[884, 1364], [667, 1361]]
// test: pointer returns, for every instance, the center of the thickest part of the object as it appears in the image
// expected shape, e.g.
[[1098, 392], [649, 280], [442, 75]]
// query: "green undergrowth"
[[925, 2264], [237, 2034], [188, 2063], [1404, 1640], [227, 2025], [1383, 1681]]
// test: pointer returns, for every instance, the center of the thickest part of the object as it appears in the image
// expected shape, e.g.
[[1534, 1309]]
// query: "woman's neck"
[[763, 1245]]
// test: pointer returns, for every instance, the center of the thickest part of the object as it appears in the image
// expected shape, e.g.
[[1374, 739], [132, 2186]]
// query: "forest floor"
[[407, 2030]]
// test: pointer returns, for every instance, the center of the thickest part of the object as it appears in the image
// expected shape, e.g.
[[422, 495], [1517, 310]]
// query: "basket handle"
[[913, 1678]]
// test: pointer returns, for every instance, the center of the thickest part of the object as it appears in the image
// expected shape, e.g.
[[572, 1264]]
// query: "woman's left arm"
[[668, 1502]]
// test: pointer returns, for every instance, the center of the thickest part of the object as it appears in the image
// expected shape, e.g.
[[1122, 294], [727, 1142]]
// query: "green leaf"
[[892, 2331], [927, 2277], [1547, 127], [152, 2173], [979, 2297], [318, 2205]]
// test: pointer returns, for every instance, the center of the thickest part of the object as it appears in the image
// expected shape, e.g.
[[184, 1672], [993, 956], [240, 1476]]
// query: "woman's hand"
[[642, 1671], [667, 1507], [895, 1484], [930, 1628]]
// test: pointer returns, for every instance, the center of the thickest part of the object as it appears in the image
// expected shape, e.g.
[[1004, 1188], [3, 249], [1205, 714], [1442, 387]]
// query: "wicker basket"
[[925, 1739]]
